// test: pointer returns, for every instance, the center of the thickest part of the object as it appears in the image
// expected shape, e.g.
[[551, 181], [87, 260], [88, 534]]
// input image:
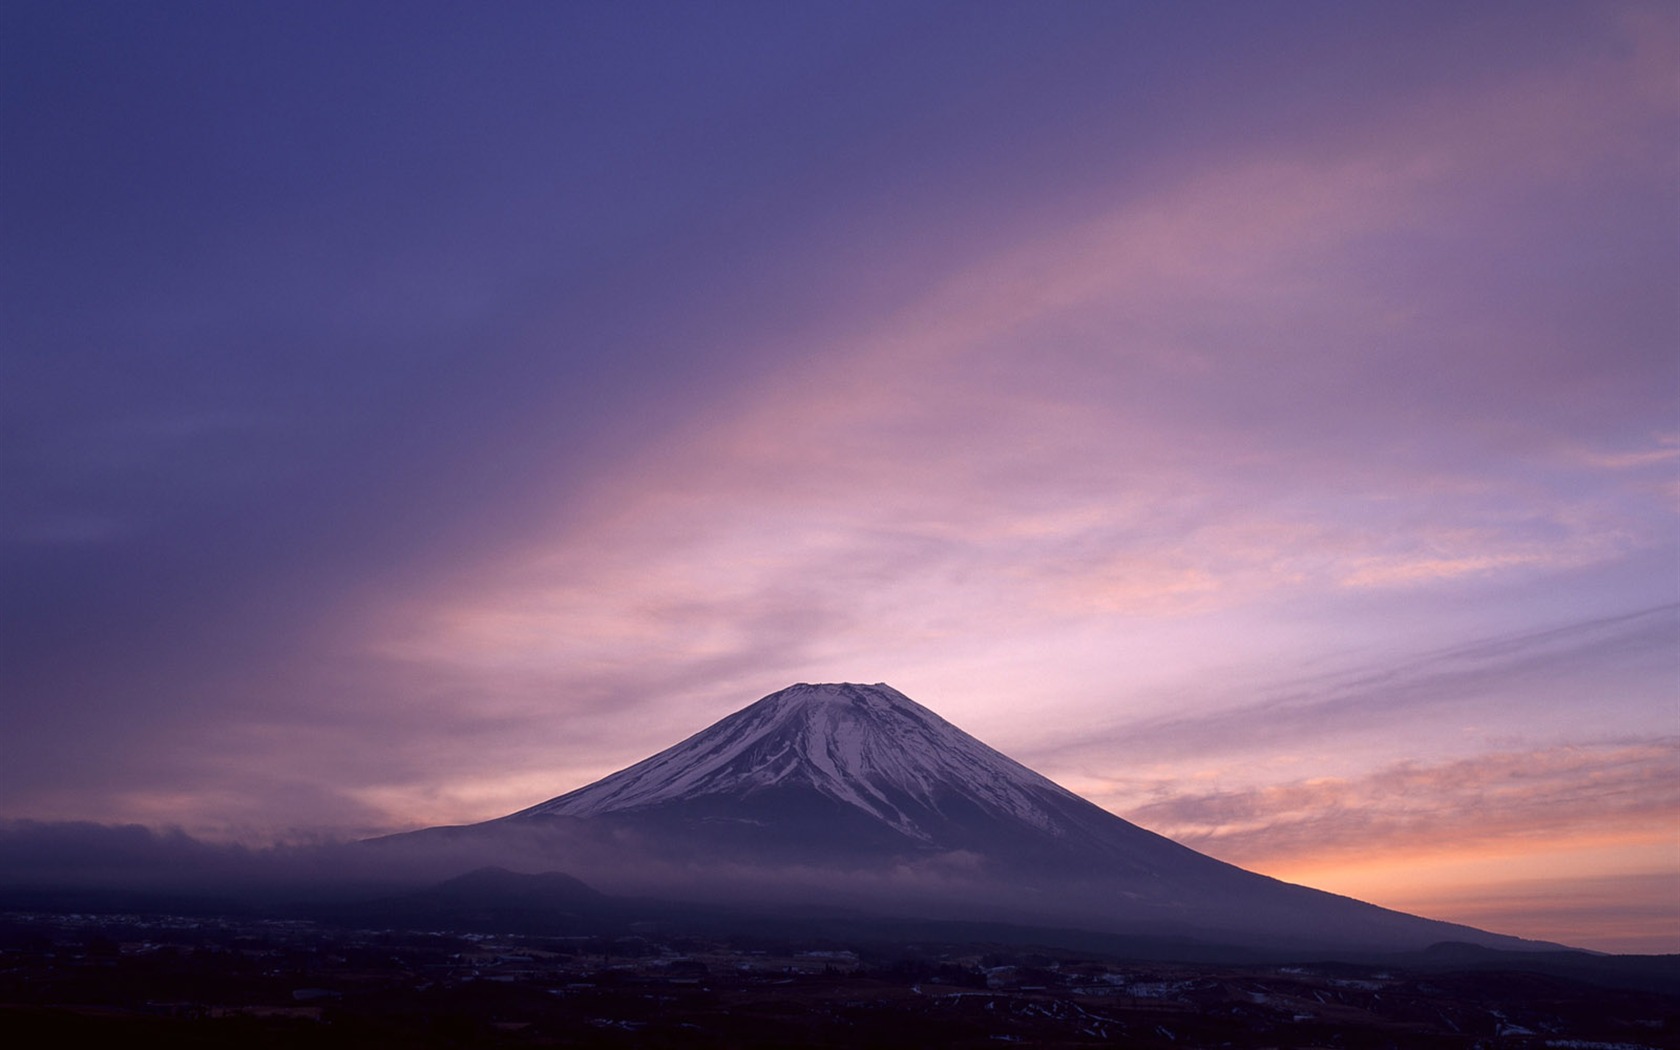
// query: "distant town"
[[198, 981]]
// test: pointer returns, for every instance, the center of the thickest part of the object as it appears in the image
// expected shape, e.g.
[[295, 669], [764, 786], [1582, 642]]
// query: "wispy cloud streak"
[[1604, 792], [1574, 670]]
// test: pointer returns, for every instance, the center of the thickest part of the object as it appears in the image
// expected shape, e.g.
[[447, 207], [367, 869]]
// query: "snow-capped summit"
[[849, 775], [869, 747]]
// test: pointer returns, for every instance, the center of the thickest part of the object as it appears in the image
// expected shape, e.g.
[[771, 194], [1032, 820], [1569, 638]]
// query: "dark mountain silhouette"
[[855, 796]]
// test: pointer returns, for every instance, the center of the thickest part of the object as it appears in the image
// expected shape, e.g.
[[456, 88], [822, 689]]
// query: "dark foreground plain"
[[208, 980]]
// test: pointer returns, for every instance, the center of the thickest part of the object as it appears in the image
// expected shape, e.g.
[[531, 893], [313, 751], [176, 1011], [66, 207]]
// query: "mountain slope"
[[870, 747], [855, 795]]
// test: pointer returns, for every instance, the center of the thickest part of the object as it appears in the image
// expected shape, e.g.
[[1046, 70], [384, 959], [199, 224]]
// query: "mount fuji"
[[848, 775], [856, 796]]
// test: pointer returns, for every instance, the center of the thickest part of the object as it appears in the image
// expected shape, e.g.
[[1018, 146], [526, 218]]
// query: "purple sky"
[[1258, 418]]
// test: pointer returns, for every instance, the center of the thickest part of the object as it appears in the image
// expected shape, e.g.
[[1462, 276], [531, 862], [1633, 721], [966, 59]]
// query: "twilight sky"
[[1259, 418]]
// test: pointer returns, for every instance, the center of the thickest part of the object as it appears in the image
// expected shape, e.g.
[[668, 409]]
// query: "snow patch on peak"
[[879, 696], [868, 746]]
